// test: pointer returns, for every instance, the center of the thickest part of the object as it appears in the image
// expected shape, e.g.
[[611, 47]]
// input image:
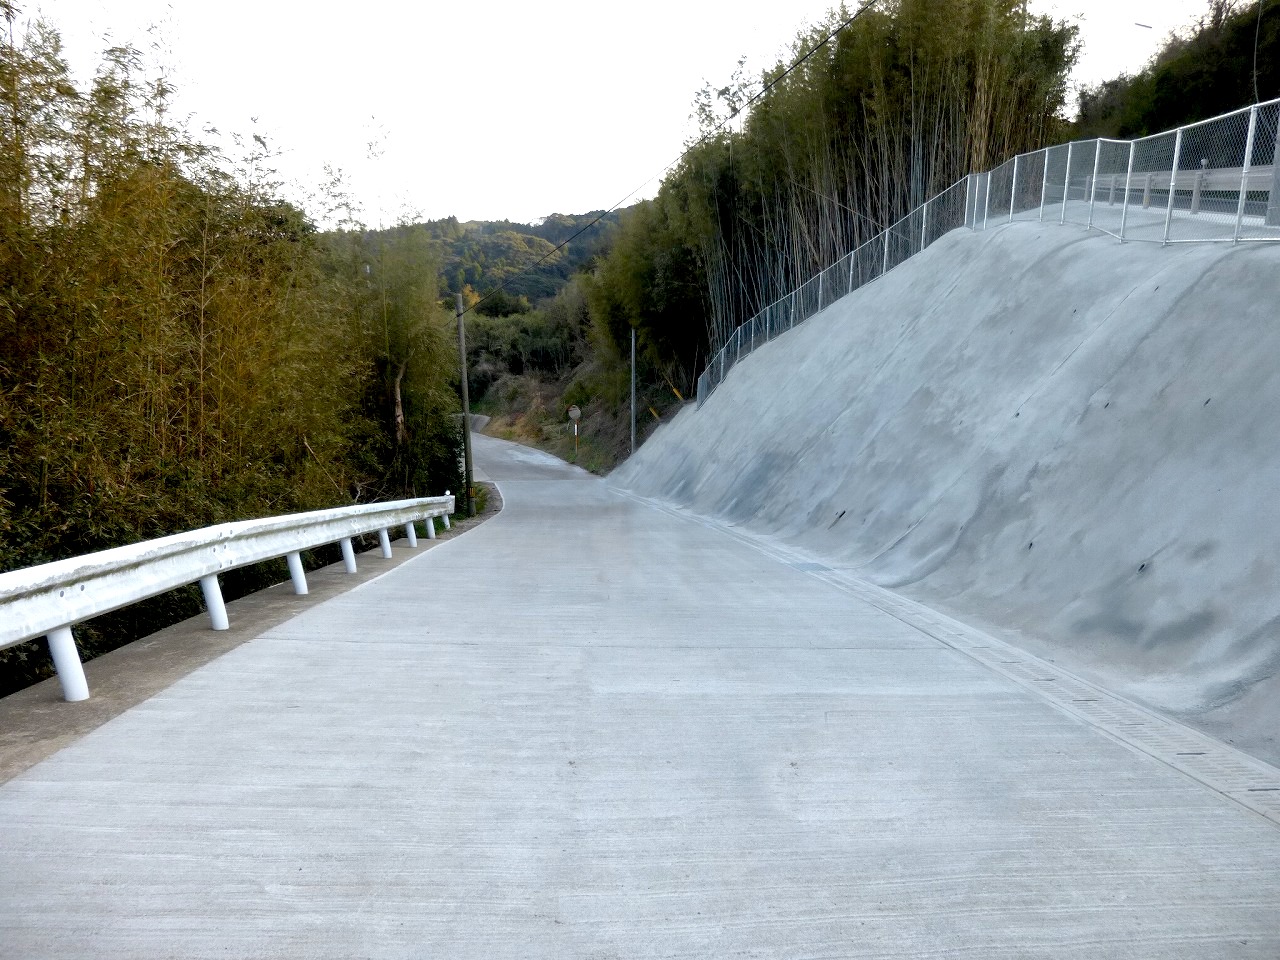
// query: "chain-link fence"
[[1217, 180]]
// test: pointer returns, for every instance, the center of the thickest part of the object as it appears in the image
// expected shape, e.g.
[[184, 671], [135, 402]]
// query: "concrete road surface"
[[592, 729]]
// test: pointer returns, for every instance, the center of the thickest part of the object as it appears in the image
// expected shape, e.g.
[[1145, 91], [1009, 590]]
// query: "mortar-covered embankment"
[[1072, 443]]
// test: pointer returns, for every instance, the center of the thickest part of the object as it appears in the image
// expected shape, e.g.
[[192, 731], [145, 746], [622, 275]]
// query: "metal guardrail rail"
[[1217, 180], [49, 599]]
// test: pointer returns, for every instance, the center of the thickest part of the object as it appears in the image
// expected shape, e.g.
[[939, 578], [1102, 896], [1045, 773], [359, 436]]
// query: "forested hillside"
[[1231, 59], [178, 346]]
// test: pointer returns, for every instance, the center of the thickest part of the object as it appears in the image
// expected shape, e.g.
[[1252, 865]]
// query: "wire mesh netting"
[[1028, 186], [1218, 180]]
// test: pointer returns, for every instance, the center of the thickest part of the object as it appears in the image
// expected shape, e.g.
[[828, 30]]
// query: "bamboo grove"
[[896, 107], [177, 345]]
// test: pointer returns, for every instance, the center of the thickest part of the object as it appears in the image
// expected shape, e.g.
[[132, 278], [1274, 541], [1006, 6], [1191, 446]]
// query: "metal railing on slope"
[[49, 599], [1213, 181]]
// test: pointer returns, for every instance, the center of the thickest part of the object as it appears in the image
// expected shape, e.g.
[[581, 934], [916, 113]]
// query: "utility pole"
[[633, 389], [466, 413]]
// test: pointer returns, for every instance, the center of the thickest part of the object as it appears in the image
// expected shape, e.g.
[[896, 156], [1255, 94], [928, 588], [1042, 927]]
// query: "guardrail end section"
[[66, 660]]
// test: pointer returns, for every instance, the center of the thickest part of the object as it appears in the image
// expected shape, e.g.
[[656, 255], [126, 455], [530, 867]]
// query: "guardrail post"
[[1173, 185], [431, 528], [1066, 183], [445, 518], [297, 574], [348, 555], [384, 541], [1128, 182], [66, 660], [411, 534], [1198, 186], [213, 602], [1244, 170]]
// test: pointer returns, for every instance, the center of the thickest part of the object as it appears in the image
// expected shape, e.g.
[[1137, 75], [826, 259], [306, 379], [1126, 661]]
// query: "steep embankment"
[[1064, 440]]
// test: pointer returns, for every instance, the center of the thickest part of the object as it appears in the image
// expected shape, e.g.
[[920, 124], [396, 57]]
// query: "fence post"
[[924, 226], [986, 210], [1173, 185], [66, 660], [968, 192], [1128, 177], [884, 267], [1044, 183], [1013, 188], [1244, 170], [820, 291], [1093, 186], [1066, 183]]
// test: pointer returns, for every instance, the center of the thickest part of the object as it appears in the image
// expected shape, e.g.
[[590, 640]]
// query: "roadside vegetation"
[[180, 346]]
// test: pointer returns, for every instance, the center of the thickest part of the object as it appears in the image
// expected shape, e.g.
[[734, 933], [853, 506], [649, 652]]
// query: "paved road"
[[590, 729]]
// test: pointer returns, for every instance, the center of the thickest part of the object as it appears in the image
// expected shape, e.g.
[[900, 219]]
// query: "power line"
[[687, 150]]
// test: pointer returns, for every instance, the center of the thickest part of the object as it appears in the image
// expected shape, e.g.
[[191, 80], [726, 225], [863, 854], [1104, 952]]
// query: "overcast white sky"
[[490, 108]]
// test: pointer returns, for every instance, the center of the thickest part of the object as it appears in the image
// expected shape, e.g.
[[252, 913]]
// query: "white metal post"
[[296, 573], [411, 534], [1128, 180], [1066, 184], [1244, 170], [820, 291], [431, 528], [66, 660], [924, 225], [986, 207], [884, 267], [445, 516], [213, 602], [1044, 183], [1093, 186], [1013, 188], [384, 541], [1173, 185], [348, 555]]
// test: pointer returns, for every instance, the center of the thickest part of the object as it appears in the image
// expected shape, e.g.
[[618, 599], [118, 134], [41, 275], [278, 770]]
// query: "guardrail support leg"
[[411, 534], [348, 555], [66, 659], [297, 574], [445, 518], [431, 528], [384, 541], [213, 602]]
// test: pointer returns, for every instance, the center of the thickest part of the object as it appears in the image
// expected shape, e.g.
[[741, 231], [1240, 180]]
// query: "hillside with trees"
[[1230, 59], [179, 346]]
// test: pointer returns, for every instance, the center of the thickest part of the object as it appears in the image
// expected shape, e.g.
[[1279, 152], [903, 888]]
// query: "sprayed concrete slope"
[[1068, 442]]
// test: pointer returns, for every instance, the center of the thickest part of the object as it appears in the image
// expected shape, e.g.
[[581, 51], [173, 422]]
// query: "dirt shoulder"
[[36, 722]]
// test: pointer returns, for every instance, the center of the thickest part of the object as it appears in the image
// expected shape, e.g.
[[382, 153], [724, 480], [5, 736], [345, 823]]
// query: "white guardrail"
[[48, 600]]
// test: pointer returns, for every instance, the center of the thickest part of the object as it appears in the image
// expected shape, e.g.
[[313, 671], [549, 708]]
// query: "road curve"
[[593, 729]]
